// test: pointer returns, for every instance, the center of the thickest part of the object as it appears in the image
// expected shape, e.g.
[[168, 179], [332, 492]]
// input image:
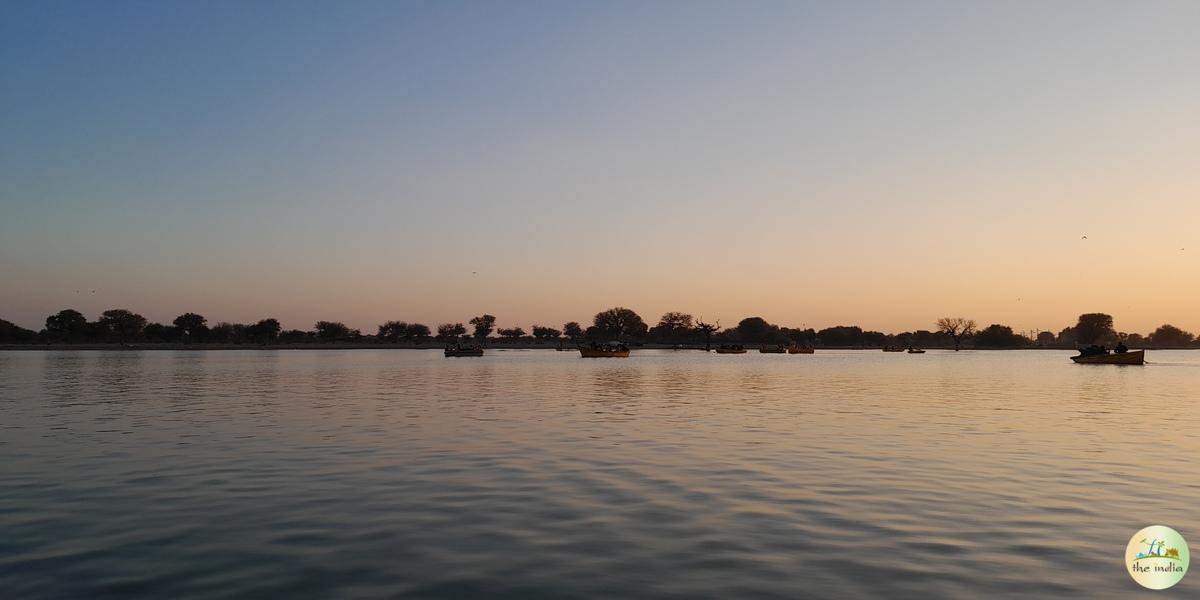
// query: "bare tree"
[[957, 328], [707, 330]]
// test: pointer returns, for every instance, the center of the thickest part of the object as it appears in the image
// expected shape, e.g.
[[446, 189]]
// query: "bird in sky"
[[1083, 238]]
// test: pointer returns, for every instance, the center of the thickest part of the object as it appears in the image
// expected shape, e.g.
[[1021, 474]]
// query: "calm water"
[[537, 474]]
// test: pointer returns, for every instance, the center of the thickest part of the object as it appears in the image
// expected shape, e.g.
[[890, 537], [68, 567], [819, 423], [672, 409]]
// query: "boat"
[[780, 349], [606, 350], [794, 349], [916, 351], [1137, 357], [459, 351], [731, 349]]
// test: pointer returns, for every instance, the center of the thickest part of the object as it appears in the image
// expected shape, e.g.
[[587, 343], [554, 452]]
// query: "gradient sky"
[[878, 163]]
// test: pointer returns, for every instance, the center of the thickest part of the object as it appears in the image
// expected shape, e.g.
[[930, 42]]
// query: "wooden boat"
[[1137, 357], [916, 351], [459, 351], [794, 349], [731, 350], [780, 349], [609, 350]]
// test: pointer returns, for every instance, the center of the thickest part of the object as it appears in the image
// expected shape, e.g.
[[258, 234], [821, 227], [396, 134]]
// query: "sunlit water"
[[538, 474]]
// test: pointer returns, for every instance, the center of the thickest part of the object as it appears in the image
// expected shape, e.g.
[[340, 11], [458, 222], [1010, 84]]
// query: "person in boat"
[[1121, 348]]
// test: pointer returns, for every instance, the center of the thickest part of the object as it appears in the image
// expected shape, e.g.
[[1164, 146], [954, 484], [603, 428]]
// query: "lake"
[[538, 474]]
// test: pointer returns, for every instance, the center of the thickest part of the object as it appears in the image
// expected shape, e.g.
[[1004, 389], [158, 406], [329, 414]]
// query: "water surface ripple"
[[537, 474]]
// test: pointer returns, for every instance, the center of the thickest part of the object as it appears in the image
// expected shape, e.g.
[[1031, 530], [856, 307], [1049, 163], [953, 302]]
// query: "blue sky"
[[543, 161]]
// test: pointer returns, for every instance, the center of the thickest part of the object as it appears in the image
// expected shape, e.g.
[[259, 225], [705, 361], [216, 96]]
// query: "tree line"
[[122, 326]]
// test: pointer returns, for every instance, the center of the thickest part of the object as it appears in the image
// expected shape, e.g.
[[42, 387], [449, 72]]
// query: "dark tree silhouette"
[[841, 335], [999, 336], [1171, 336], [483, 326], [11, 333], [265, 331], [707, 330], [67, 325], [331, 331], [757, 329], [419, 332], [295, 336], [619, 323], [157, 332], [545, 333], [1093, 328], [121, 324], [392, 331], [227, 333], [511, 333], [451, 331], [806, 337], [189, 325], [957, 328], [573, 330], [674, 327]]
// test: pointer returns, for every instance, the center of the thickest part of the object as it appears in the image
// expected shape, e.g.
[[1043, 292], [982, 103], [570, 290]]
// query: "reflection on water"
[[317, 474]]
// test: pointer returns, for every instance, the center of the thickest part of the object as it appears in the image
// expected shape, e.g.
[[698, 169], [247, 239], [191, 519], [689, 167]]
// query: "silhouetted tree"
[[67, 325], [674, 326], [706, 330], [841, 335], [265, 331], [419, 332], [331, 331], [545, 333], [1170, 336], [1067, 338], [122, 325], [449, 331], [159, 333], [1093, 328], [295, 336], [227, 333], [189, 326], [392, 331], [758, 330], [573, 330], [483, 326], [803, 337], [511, 333], [1000, 336], [957, 328], [11, 333], [618, 323], [1045, 338]]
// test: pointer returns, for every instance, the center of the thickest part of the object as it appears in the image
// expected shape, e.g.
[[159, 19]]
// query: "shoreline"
[[369, 346]]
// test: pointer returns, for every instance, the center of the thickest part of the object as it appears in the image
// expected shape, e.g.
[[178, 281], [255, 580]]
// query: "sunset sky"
[[871, 163]]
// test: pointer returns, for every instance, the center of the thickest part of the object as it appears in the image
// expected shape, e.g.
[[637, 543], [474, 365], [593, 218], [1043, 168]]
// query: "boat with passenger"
[[1099, 355], [731, 349], [795, 349], [605, 350], [458, 350], [776, 349]]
